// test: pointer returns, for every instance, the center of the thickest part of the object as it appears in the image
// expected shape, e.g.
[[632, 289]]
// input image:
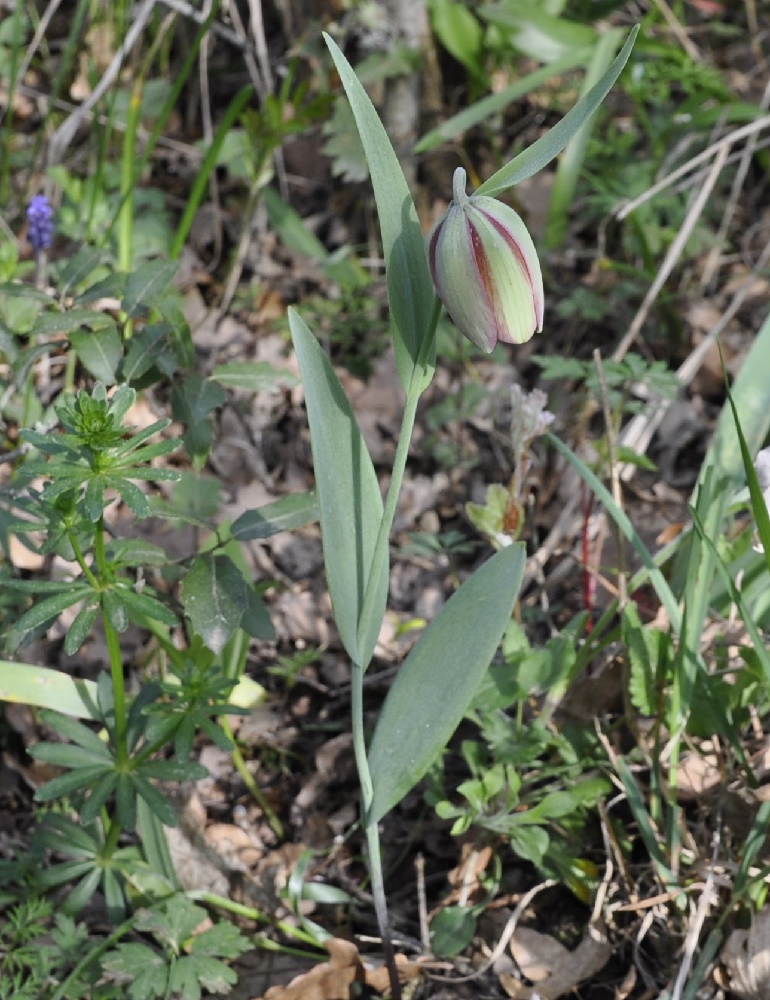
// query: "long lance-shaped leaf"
[[439, 678], [348, 494], [42, 687], [410, 290], [540, 153]]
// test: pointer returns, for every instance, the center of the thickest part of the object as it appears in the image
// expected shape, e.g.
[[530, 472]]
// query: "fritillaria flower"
[[485, 269]]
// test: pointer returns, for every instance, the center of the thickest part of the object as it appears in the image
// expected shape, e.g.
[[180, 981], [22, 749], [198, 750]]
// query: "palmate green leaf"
[[214, 599], [410, 290], [42, 687], [193, 971], [146, 970], [287, 514], [348, 494], [540, 153], [439, 678]]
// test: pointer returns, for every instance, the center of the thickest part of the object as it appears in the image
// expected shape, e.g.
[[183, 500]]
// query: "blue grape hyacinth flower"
[[41, 227]]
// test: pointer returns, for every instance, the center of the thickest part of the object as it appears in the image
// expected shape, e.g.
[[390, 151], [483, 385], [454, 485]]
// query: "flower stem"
[[417, 386], [115, 656], [418, 383]]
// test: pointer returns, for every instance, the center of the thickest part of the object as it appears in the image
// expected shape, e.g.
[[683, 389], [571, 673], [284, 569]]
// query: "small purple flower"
[[41, 227]]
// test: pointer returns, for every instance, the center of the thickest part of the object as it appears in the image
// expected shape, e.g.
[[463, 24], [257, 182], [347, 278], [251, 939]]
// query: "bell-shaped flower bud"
[[485, 270]]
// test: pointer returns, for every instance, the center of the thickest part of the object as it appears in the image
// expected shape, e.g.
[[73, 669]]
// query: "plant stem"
[[116, 657], [372, 830], [417, 384], [248, 779], [381, 908]]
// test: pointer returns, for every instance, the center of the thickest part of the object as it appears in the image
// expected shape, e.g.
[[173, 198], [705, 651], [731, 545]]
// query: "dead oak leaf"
[[555, 969], [746, 956], [328, 981]]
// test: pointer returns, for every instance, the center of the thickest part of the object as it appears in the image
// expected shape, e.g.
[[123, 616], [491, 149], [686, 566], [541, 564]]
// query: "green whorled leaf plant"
[[439, 678]]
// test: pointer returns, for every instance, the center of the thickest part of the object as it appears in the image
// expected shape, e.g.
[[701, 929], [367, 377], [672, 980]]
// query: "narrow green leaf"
[[348, 492], [540, 153], [72, 320], [71, 781], [75, 732], [42, 687], [573, 156], [144, 350], [538, 33], [46, 611], [436, 684], [79, 629], [115, 609], [410, 290], [750, 397], [758, 502], [290, 226], [460, 33], [143, 605], [111, 287], [83, 891], [156, 800], [494, 103], [154, 842], [214, 599], [100, 351], [253, 376], [67, 755], [100, 792], [658, 581], [287, 514]]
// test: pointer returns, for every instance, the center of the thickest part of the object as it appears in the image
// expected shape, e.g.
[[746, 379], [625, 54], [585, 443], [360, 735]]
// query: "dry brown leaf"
[[379, 980], [329, 981], [234, 845], [555, 969], [697, 774], [746, 956]]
